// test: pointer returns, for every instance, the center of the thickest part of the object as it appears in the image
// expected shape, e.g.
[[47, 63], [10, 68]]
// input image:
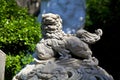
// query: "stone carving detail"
[[61, 56]]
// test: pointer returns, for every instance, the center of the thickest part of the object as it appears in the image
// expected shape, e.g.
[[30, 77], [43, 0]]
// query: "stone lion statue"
[[61, 56], [57, 43]]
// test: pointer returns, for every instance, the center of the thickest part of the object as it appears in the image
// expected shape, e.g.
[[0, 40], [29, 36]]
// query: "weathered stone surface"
[[61, 56], [69, 69], [2, 64]]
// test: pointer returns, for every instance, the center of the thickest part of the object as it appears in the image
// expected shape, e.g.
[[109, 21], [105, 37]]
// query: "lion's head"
[[51, 22], [51, 25]]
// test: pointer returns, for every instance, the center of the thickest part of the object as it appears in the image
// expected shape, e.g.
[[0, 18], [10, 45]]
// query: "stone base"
[[2, 64], [65, 69]]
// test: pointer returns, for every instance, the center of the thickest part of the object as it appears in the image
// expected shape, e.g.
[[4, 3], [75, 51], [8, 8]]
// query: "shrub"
[[97, 13], [15, 63], [19, 33], [18, 30]]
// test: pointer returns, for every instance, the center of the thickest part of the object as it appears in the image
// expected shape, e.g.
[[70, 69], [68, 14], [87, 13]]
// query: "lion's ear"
[[60, 20], [58, 16], [43, 15]]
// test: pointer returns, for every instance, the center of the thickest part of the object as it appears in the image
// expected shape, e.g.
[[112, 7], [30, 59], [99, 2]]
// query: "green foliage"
[[97, 12], [18, 30], [19, 33], [15, 63]]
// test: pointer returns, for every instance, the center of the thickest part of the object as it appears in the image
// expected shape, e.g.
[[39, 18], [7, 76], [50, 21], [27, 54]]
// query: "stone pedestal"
[[67, 69], [2, 64]]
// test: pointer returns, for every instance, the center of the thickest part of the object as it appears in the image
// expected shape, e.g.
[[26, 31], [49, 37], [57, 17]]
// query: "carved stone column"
[[2, 64]]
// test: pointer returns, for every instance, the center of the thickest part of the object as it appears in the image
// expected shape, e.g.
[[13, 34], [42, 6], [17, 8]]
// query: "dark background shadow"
[[107, 50]]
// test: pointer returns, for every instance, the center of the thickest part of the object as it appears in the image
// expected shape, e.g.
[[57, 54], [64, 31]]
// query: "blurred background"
[[20, 31]]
